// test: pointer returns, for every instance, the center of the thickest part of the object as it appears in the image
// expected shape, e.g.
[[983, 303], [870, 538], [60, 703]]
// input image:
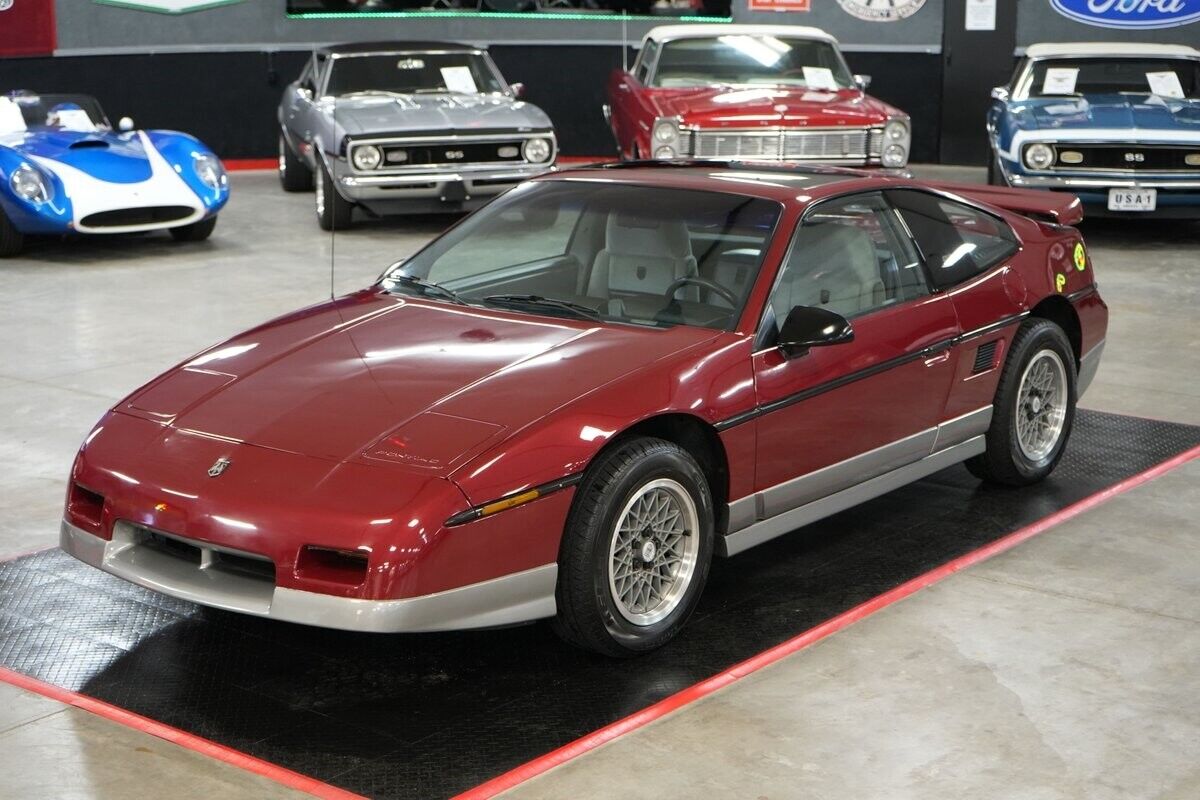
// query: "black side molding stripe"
[[867, 372], [513, 500]]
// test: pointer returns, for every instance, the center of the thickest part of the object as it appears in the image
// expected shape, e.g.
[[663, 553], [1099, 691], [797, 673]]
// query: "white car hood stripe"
[[90, 195]]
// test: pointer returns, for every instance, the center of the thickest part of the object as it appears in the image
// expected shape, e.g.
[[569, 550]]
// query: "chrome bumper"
[[519, 597], [434, 185], [1099, 184]]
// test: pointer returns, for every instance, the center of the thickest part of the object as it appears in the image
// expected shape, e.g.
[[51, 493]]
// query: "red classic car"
[[761, 92], [569, 402]]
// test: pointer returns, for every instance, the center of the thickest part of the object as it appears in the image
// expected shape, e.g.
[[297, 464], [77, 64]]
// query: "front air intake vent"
[[985, 357]]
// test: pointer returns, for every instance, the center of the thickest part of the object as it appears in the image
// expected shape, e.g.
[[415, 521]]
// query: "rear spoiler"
[[1057, 207]]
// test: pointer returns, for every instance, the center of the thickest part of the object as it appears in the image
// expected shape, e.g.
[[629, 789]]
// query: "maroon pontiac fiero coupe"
[[566, 404]]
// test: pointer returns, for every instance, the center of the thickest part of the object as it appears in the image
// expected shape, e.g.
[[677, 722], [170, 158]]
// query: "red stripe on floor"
[[198, 744], [631, 723], [753, 664]]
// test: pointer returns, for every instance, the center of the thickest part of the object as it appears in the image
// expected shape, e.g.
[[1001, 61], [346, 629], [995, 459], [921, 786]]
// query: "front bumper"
[[509, 599], [435, 186], [1177, 198]]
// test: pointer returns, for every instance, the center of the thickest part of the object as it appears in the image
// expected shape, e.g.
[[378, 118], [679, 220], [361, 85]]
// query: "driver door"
[[876, 399]]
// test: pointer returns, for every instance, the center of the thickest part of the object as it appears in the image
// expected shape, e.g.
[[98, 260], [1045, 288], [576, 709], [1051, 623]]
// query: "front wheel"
[[11, 239], [636, 549], [1034, 408], [196, 232], [294, 174], [333, 210]]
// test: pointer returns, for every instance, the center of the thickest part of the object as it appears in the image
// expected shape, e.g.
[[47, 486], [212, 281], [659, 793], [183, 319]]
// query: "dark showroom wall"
[[218, 72]]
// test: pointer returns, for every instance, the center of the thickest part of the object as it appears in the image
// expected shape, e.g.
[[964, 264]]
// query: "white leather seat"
[[643, 257], [833, 266]]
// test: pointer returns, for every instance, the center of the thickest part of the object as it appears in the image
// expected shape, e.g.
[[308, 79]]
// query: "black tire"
[[994, 176], [196, 232], [1005, 461], [294, 174], [333, 211], [588, 614], [11, 239]]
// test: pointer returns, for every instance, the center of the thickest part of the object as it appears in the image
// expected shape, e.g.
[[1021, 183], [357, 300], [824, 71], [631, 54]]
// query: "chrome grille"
[[841, 145]]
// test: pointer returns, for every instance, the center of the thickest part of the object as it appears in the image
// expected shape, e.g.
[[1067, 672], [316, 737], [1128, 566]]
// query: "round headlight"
[[366, 157], [665, 130], [1039, 156], [895, 156], [536, 150], [28, 184], [665, 152], [895, 131], [209, 170]]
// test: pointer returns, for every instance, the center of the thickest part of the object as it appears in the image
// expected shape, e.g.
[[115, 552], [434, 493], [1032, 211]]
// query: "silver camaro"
[[407, 127]]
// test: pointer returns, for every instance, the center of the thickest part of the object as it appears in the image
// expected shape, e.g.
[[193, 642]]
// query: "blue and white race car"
[[1117, 124], [64, 169]]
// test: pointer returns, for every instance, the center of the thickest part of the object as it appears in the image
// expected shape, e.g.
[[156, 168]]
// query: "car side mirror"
[[1000, 93], [862, 81], [518, 89], [125, 124], [809, 326]]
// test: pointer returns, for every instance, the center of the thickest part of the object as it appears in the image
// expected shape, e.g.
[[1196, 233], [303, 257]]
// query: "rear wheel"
[[1034, 408], [11, 239], [196, 232], [636, 549], [333, 210], [294, 174]]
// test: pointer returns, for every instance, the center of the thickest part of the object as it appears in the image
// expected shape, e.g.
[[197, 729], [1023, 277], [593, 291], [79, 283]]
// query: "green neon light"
[[492, 15]]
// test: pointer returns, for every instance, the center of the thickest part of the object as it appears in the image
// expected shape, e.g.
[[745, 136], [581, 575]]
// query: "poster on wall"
[[881, 10], [1130, 14], [26, 27], [778, 5]]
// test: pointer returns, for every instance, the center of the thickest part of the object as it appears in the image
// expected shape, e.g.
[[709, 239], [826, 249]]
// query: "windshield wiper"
[[421, 283], [544, 302]]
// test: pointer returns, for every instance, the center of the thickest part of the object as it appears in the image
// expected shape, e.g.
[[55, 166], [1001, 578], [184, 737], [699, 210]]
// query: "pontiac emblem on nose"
[[220, 466]]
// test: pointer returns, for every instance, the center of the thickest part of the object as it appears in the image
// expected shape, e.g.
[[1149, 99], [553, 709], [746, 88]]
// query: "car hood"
[[770, 106], [107, 155], [1109, 112], [436, 112], [387, 379]]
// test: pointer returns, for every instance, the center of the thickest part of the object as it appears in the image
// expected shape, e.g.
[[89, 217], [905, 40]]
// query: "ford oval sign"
[[1137, 14]]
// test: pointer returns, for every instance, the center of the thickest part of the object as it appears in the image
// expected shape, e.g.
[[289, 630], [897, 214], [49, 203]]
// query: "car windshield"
[[605, 251], [1167, 77], [411, 73], [740, 60], [70, 112]]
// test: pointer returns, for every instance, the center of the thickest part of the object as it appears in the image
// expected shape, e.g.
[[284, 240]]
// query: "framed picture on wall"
[[26, 28], [340, 9]]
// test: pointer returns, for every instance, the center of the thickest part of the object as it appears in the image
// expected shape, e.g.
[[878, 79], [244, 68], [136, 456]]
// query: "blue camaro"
[[1117, 124], [64, 169]]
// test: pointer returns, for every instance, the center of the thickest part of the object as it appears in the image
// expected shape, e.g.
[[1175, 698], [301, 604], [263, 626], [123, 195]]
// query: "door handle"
[[940, 358]]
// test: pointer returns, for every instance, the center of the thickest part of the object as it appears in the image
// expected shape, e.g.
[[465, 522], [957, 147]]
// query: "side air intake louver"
[[985, 356]]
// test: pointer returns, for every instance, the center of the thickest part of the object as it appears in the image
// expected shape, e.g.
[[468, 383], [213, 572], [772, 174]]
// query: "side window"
[[645, 61], [957, 240], [850, 256]]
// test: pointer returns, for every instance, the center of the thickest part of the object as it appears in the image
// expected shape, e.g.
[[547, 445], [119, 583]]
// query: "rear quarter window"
[[958, 241]]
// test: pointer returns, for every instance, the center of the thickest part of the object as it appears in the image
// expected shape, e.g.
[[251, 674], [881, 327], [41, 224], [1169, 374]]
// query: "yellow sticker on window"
[[1060, 281], [1080, 257]]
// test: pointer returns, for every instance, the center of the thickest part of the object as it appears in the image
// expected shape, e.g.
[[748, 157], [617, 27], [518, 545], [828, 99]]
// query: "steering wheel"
[[712, 286]]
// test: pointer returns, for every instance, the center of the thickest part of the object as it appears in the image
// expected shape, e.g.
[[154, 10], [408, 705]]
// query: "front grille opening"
[[172, 547], [243, 565], [85, 506], [149, 215], [495, 181], [345, 567], [440, 155]]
